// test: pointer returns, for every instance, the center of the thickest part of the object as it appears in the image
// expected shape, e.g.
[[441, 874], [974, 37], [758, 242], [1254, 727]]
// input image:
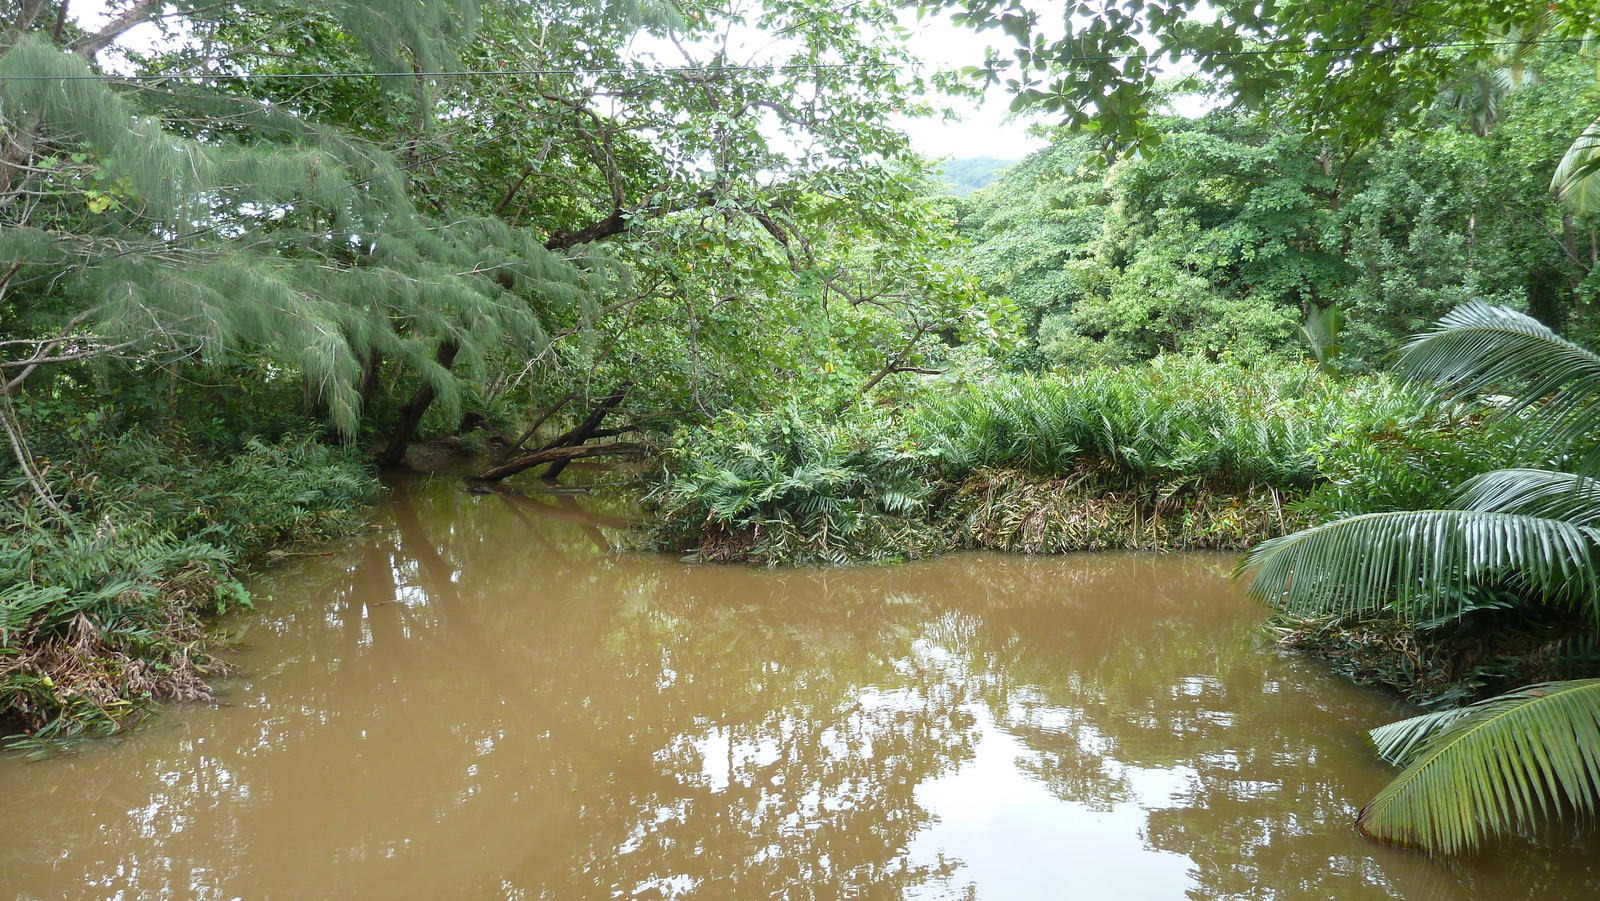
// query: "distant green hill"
[[963, 176]]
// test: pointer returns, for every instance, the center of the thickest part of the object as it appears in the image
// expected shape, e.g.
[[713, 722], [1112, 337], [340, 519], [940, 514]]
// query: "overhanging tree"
[[737, 158], [187, 220]]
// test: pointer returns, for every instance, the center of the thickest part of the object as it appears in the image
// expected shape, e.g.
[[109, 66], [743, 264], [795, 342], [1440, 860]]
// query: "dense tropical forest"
[[1338, 315]]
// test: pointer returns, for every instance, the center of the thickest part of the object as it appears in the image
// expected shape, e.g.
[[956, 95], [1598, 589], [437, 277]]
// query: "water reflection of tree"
[[813, 791], [1142, 663], [487, 700]]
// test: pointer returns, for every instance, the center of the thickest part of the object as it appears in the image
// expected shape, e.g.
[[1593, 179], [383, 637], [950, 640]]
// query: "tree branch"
[[614, 224], [136, 14], [25, 16], [558, 455], [894, 364]]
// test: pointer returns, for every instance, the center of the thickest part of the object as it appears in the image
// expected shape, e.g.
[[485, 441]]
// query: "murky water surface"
[[483, 703]]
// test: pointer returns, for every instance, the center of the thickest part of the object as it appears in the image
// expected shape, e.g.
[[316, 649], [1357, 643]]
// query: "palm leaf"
[[1423, 560], [1321, 331], [1490, 768], [1478, 348], [1577, 176], [1534, 492]]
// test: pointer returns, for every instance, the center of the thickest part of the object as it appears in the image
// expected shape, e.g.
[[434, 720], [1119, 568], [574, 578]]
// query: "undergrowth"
[[1093, 510], [790, 489], [102, 611], [1172, 420], [1175, 453], [1449, 664]]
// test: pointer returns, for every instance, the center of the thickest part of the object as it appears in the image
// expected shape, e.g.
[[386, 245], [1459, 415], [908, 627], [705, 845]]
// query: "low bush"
[[786, 488], [102, 613], [296, 490], [1411, 459]]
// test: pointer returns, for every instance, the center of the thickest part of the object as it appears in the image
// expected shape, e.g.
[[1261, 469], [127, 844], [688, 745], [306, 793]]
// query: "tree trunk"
[[587, 428], [539, 420], [371, 368], [558, 455], [411, 414], [568, 440], [1569, 243], [18, 152]]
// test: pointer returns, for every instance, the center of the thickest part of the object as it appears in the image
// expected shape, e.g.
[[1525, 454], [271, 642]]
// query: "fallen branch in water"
[[563, 454]]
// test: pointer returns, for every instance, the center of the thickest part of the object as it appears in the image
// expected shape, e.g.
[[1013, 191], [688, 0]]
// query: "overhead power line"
[[776, 68]]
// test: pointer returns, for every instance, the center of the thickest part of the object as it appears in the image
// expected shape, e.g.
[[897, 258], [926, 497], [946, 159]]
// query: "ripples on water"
[[484, 702]]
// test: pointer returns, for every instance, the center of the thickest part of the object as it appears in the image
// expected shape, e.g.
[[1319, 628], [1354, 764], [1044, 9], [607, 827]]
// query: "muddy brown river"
[[483, 701]]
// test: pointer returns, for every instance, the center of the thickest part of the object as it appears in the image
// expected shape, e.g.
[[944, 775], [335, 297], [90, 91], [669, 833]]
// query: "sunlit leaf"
[[1488, 769]]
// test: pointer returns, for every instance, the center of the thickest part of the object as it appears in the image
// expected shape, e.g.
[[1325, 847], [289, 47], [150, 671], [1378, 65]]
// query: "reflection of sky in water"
[[1016, 840], [521, 713]]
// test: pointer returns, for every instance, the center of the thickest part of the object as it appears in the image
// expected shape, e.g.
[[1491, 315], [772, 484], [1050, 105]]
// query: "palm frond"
[[1422, 561], [1534, 492], [1478, 348], [1321, 331], [1490, 768], [1577, 176]]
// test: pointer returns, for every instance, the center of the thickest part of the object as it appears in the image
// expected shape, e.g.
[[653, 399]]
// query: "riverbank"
[[108, 598], [1176, 454]]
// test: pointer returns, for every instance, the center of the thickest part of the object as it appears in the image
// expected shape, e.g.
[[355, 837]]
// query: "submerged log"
[[558, 454]]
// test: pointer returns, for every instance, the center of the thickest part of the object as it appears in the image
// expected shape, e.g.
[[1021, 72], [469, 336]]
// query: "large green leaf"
[[1423, 560], [1491, 768], [1534, 492], [1577, 176], [1477, 348]]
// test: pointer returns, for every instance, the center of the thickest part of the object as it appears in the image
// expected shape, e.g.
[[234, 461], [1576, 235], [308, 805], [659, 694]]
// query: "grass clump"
[[786, 488], [103, 611], [1176, 453], [1179, 452], [1169, 420]]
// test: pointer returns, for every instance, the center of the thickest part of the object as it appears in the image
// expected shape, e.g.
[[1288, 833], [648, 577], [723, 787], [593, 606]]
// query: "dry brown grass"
[[1095, 509]]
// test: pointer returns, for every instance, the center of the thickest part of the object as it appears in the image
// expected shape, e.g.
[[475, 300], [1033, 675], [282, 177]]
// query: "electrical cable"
[[770, 68]]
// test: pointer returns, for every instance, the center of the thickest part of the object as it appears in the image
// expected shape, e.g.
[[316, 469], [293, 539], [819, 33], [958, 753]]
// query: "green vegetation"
[[1514, 541], [964, 175], [1229, 237], [234, 277], [104, 606], [1176, 453], [784, 489]]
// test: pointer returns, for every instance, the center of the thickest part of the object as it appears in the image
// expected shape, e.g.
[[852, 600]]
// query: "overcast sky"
[[981, 130]]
